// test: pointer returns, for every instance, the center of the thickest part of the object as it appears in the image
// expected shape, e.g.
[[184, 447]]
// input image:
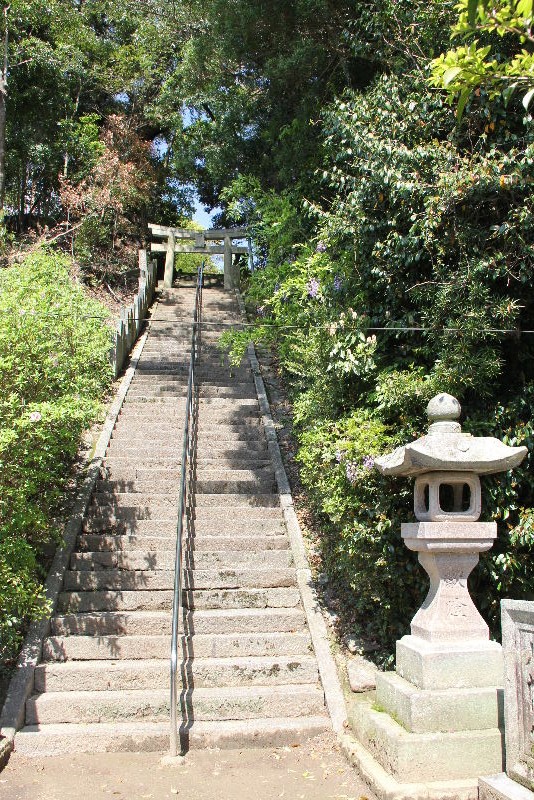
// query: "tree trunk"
[[2, 146], [3, 97], [22, 198]]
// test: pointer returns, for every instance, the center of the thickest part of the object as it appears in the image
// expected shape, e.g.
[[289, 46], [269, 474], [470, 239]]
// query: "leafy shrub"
[[420, 257], [54, 367]]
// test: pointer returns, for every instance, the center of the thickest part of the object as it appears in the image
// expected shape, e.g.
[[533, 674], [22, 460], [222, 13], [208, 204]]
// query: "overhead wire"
[[28, 315]]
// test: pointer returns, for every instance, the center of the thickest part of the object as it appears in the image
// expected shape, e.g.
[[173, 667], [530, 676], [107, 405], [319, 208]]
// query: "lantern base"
[[417, 758], [439, 710], [438, 718]]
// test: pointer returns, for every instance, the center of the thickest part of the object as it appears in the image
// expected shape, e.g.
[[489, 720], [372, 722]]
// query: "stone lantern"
[[438, 718], [446, 464]]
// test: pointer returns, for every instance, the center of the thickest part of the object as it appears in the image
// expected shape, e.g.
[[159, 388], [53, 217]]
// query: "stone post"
[[518, 646], [169, 260], [143, 263], [437, 725], [229, 278]]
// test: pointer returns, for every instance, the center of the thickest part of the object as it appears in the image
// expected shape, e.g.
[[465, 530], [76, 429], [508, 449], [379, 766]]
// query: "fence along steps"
[[249, 675]]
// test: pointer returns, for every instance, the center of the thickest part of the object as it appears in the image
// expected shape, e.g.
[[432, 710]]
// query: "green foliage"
[[420, 256], [53, 369], [360, 514], [502, 67]]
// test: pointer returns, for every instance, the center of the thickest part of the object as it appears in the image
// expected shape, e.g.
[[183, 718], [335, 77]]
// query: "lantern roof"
[[446, 448]]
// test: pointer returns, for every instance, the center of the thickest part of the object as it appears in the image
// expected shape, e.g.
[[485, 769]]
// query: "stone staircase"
[[249, 675]]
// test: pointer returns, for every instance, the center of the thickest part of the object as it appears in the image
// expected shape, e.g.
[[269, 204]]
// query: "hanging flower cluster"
[[313, 287]]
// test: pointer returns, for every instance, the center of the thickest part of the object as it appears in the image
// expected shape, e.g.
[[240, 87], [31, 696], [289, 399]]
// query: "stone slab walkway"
[[314, 770]]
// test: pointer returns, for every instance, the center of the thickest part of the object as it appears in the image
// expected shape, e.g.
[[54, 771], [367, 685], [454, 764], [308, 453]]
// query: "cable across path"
[[245, 666]]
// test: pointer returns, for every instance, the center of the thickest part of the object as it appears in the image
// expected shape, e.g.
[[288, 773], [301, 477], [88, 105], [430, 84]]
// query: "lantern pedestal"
[[448, 552]]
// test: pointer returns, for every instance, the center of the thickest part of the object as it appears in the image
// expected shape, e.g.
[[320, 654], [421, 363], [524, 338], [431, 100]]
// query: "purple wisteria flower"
[[339, 456], [321, 247], [351, 471], [35, 416], [368, 462], [276, 286], [260, 311], [338, 284], [313, 287]]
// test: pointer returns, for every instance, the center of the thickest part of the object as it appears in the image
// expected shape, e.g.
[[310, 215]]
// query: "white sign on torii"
[[199, 244]]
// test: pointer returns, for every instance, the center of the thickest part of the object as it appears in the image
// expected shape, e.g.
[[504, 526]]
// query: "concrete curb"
[[333, 692], [21, 685]]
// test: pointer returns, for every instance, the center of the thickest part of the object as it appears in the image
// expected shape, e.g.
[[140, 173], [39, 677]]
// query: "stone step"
[[146, 559], [274, 597], [206, 452], [206, 374], [174, 414], [161, 365], [173, 436], [253, 446], [164, 493], [154, 674], [234, 518], [129, 476], [255, 458], [216, 450], [166, 332], [144, 464], [154, 580], [268, 524], [146, 623], [157, 394], [233, 407], [153, 705], [48, 740], [144, 441], [206, 386], [137, 507], [199, 543], [133, 513], [170, 486], [230, 501], [141, 500], [91, 648], [127, 467], [240, 486]]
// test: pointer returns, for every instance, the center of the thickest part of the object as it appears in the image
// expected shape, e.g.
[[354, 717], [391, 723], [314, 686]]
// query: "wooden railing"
[[132, 317]]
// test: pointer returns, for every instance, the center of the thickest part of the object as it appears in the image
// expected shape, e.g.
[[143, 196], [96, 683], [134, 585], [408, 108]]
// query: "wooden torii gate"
[[183, 240]]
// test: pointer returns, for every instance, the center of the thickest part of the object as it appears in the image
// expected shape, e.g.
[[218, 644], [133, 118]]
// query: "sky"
[[204, 217]]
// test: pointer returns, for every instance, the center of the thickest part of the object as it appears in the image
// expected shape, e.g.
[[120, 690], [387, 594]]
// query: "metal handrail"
[[186, 458]]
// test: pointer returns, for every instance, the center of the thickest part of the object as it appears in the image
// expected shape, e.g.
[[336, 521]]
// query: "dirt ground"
[[313, 771]]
